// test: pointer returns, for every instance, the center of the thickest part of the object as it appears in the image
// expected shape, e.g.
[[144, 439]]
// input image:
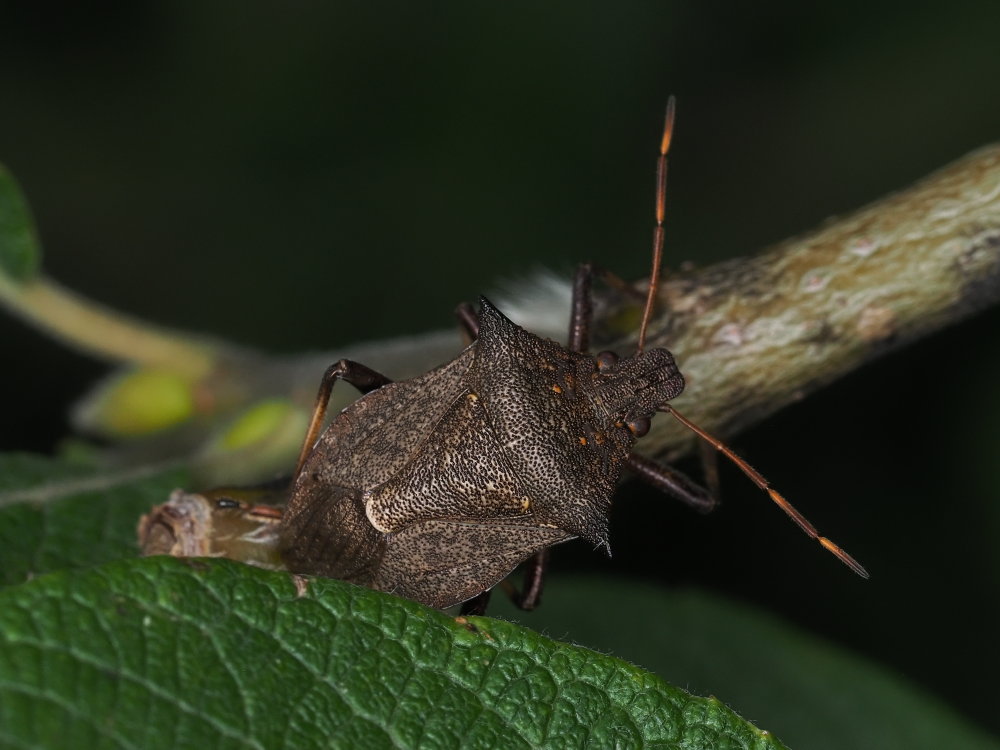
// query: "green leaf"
[[344, 663], [171, 653], [810, 693], [19, 253], [56, 515]]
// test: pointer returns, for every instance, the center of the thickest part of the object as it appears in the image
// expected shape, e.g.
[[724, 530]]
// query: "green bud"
[[261, 421], [139, 402], [259, 444]]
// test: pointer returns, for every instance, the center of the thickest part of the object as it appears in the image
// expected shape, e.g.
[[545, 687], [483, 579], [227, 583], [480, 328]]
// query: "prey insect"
[[438, 487]]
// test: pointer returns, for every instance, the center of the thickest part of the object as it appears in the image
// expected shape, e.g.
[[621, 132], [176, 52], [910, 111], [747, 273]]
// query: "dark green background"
[[304, 175]]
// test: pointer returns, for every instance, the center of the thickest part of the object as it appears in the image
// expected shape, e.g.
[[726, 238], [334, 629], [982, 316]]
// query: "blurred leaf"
[[19, 253], [810, 693], [56, 515], [162, 652]]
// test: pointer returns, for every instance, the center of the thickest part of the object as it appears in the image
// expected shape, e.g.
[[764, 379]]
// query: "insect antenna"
[[756, 477], [661, 200]]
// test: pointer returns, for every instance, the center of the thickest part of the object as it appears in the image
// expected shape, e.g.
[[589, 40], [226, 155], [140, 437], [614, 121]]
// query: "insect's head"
[[628, 390]]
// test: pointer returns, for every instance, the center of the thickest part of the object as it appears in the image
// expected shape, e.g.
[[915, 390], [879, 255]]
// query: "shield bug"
[[438, 487]]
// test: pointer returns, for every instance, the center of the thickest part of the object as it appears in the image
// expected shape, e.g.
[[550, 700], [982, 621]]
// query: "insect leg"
[[709, 458], [582, 309], [527, 599], [363, 378], [476, 605], [468, 320], [530, 595], [672, 482]]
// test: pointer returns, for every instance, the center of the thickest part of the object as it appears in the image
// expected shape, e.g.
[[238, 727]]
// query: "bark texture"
[[753, 334]]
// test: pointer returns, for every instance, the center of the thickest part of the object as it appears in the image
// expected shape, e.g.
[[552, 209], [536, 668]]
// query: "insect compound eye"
[[606, 360], [640, 426]]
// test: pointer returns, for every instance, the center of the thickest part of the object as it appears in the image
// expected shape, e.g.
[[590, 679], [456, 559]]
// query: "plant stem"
[[104, 333], [752, 335]]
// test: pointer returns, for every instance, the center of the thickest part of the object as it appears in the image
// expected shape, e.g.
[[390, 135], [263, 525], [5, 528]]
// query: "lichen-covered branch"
[[754, 334], [750, 334]]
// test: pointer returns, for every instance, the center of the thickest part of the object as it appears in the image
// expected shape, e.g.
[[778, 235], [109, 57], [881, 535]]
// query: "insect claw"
[[845, 558]]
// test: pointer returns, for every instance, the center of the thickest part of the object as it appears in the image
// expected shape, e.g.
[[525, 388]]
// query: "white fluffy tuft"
[[539, 302]]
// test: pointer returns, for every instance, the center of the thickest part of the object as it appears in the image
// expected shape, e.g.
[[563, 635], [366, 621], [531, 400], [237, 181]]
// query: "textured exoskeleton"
[[436, 488]]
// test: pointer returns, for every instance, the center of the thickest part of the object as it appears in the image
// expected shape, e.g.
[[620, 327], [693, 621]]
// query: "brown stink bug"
[[436, 488]]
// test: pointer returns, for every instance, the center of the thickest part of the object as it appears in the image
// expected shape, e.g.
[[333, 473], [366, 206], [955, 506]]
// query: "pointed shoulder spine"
[[493, 322]]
